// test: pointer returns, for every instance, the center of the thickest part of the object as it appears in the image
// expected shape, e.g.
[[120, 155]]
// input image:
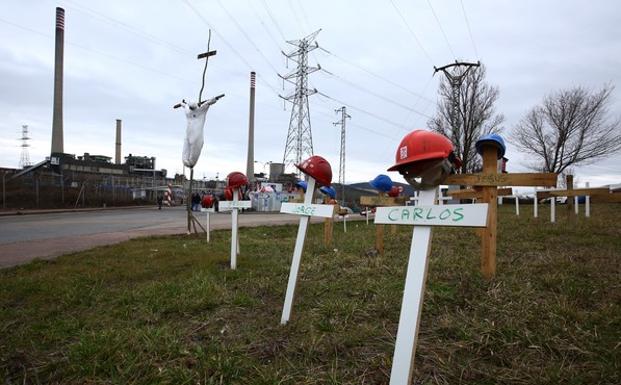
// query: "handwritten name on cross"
[[305, 210], [422, 217], [487, 182]]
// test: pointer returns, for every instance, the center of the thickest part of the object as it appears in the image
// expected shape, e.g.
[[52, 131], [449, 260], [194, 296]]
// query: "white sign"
[[230, 205], [209, 210], [311, 210], [471, 215]]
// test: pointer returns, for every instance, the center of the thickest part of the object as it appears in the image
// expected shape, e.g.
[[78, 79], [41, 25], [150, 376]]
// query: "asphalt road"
[[26, 237]]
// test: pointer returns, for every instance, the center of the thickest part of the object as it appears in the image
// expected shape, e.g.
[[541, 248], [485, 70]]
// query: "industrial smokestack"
[[57, 118], [250, 159], [117, 147]]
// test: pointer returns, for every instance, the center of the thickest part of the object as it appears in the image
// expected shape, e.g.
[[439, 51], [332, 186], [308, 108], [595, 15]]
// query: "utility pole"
[[344, 117], [299, 143], [24, 160], [456, 77]]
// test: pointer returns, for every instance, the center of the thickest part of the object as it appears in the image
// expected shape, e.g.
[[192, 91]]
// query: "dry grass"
[[169, 311]]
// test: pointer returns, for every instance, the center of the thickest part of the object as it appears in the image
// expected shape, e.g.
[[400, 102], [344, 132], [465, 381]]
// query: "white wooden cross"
[[209, 211], [422, 216], [305, 210], [234, 206]]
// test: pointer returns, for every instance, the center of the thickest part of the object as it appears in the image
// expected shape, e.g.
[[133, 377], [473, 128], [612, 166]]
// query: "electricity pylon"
[[24, 160], [299, 143], [456, 78], [344, 117]]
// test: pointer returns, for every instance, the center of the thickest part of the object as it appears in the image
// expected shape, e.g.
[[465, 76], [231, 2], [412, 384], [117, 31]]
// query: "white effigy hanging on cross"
[[195, 114], [319, 172], [424, 159], [235, 181]]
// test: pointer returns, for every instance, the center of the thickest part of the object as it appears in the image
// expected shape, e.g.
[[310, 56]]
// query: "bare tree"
[[475, 115], [571, 126]]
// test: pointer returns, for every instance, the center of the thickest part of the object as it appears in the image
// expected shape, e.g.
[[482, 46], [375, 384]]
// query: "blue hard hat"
[[302, 184], [382, 183], [494, 139], [329, 191]]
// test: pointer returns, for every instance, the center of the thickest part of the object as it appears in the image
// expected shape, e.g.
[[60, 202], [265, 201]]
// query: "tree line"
[[569, 127]]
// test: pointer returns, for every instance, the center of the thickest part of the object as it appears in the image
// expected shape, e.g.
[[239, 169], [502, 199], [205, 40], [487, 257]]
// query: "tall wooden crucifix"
[[487, 182]]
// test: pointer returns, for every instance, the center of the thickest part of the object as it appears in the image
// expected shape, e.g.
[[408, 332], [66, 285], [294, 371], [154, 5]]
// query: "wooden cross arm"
[[381, 201], [518, 179], [607, 198], [476, 194], [206, 54], [574, 192]]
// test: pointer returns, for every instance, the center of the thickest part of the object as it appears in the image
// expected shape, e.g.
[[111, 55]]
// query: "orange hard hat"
[[318, 168], [236, 179], [422, 145]]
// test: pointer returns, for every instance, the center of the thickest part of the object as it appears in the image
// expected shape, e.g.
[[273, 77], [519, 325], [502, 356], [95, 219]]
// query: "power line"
[[378, 117], [469, 30], [239, 27], [269, 12], [391, 101], [297, 19], [411, 31], [304, 15], [111, 21], [380, 77], [372, 131], [209, 26], [267, 30], [442, 30], [101, 53]]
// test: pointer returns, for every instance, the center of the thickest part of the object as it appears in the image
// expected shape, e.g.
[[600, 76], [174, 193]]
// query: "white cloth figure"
[[193, 143]]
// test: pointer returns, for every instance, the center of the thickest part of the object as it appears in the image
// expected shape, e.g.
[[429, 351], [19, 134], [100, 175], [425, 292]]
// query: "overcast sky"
[[134, 60]]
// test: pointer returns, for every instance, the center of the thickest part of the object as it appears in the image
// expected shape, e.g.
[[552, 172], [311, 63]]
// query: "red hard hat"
[[207, 201], [394, 192], [318, 168], [236, 179], [421, 145]]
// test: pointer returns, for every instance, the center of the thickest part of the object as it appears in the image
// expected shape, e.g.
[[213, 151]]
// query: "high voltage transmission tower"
[[24, 159], [344, 117], [455, 79], [299, 143]]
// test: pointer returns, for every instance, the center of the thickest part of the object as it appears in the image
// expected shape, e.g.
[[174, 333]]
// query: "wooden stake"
[[379, 239], [535, 204], [327, 231], [569, 179], [488, 240]]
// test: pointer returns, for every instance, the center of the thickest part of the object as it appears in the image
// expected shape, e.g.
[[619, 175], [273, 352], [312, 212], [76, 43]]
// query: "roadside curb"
[[59, 211]]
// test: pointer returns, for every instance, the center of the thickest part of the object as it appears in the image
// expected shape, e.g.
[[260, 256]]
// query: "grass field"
[[169, 311]]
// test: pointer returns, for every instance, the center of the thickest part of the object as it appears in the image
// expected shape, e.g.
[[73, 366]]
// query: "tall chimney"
[[117, 148], [250, 159], [57, 118]]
